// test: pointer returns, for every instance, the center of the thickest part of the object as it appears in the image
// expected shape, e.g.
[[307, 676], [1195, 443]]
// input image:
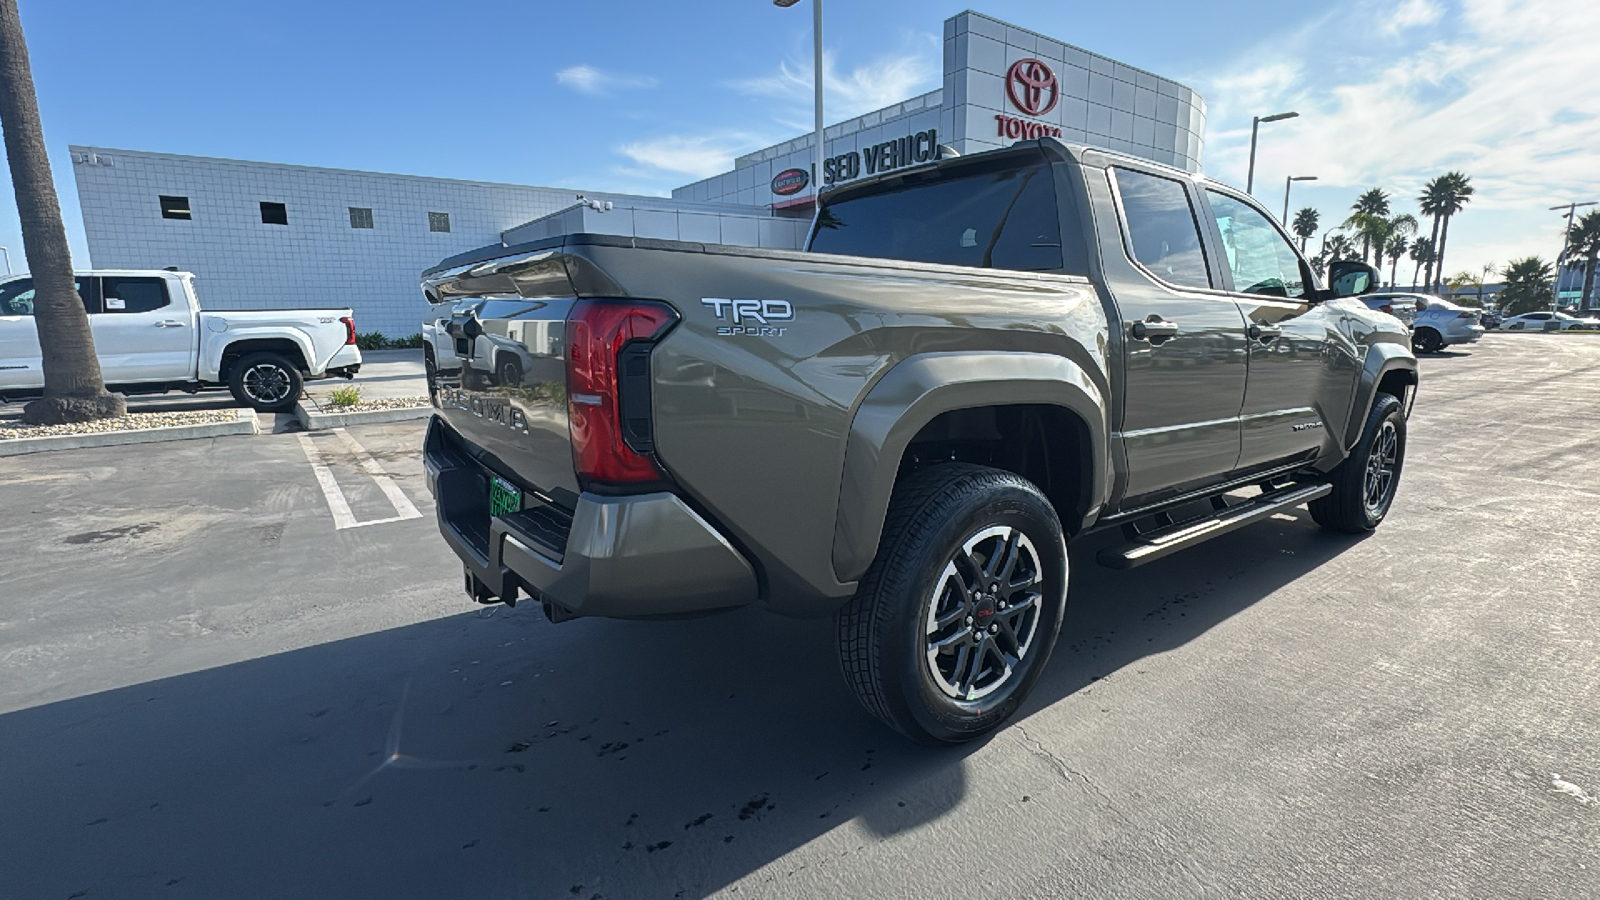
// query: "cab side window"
[[132, 295], [1261, 260], [1163, 236]]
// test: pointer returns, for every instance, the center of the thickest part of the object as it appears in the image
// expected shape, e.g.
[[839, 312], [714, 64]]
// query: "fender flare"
[[1381, 359], [211, 366], [920, 388]]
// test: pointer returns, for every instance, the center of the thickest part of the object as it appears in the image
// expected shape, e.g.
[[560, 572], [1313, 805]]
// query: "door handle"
[[1264, 333], [1154, 330], [169, 323]]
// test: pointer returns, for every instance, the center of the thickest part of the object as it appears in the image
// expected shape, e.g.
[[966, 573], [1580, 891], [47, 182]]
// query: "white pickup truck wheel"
[[265, 382], [955, 620]]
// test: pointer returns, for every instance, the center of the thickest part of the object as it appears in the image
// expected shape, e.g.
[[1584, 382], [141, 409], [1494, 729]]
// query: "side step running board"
[[1151, 545]]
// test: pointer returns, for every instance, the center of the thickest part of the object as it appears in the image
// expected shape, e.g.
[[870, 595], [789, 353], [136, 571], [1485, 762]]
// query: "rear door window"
[[1163, 235], [121, 294], [990, 215]]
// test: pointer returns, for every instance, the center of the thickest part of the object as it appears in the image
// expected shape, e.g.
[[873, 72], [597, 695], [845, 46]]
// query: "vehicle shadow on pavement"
[[491, 754]]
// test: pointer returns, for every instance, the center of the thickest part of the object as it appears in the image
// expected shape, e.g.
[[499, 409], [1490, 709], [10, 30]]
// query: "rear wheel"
[[1364, 484], [266, 382], [1427, 340], [953, 623]]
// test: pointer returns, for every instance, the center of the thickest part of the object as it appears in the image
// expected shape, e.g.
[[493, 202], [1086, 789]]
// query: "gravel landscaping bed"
[[13, 429], [375, 404]]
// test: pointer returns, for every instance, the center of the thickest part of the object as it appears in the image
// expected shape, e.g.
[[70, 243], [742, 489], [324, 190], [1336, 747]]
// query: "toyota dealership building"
[[250, 231]]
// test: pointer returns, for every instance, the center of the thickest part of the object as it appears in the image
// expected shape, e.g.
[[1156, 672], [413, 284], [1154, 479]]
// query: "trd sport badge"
[[750, 317]]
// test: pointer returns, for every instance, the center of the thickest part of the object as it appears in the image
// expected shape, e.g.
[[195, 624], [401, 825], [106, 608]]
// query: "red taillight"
[[597, 332], [1387, 308], [1467, 315], [349, 329]]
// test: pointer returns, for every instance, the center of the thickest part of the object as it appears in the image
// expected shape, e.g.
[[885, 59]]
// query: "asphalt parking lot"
[[214, 685]]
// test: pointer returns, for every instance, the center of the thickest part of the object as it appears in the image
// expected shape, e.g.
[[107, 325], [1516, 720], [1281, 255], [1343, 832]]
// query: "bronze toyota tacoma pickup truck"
[[977, 360]]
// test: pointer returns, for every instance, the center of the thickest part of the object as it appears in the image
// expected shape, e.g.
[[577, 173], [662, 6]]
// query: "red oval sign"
[[1029, 82], [790, 181]]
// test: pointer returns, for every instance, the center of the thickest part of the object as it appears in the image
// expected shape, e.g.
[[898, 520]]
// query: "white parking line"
[[337, 504], [402, 504], [342, 517]]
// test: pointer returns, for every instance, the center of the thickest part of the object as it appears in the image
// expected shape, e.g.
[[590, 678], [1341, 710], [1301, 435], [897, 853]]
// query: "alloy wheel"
[[1382, 461], [266, 383], [983, 614]]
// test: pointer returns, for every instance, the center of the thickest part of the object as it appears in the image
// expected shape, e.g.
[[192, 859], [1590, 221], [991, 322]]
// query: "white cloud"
[[598, 82], [877, 83], [1493, 90], [699, 156], [1412, 13]]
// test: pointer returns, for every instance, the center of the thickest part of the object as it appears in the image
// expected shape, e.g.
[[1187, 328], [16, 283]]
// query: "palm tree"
[[1395, 248], [1431, 202], [1305, 225], [1368, 213], [73, 388], [1584, 241], [1422, 252], [1527, 286], [1458, 194], [1339, 247]]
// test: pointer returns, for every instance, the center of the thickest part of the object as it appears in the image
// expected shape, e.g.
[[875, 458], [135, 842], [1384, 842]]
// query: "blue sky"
[[640, 97]]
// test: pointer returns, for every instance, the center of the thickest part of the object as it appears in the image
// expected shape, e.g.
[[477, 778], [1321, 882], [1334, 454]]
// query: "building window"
[[174, 207], [274, 213], [438, 221], [360, 217]]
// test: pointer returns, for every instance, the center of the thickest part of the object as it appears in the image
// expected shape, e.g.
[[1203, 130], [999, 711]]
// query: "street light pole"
[[1566, 238], [816, 78], [1286, 183], [1255, 126]]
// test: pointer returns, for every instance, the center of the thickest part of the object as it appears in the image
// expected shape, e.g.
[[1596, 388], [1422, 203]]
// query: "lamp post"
[[816, 78], [1255, 126], [1566, 238], [1286, 183]]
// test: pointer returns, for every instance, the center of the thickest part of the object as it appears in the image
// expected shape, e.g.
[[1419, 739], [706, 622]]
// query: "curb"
[[313, 420], [246, 422]]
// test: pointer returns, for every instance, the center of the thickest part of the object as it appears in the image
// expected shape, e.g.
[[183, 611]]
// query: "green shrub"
[[372, 340], [409, 342], [344, 397]]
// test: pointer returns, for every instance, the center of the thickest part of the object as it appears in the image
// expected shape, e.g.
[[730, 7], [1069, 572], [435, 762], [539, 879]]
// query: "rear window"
[[991, 215]]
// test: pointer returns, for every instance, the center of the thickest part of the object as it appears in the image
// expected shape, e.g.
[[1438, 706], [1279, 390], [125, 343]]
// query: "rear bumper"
[[618, 557], [1464, 335]]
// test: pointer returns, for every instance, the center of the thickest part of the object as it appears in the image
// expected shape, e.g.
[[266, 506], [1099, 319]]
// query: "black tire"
[[1427, 340], [430, 369], [509, 371], [884, 634], [1349, 508], [265, 382]]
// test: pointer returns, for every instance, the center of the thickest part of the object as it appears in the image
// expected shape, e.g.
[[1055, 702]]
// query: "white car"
[[1548, 321], [1437, 324], [151, 336]]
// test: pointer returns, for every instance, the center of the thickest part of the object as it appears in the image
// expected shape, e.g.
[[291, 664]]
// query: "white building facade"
[[260, 235]]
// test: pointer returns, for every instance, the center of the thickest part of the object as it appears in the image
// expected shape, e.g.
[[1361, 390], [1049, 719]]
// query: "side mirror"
[[1351, 278]]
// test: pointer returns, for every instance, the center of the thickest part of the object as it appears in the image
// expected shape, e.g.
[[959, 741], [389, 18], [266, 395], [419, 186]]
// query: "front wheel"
[[265, 382], [954, 621], [1364, 484]]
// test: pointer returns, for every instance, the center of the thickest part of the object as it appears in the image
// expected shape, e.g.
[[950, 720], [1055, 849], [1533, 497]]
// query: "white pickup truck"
[[152, 336]]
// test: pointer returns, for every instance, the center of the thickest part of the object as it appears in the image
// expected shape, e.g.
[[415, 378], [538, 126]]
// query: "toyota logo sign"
[[1032, 86]]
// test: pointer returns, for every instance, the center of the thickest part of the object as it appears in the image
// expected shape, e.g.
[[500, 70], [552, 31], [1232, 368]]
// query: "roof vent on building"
[[596, 205]]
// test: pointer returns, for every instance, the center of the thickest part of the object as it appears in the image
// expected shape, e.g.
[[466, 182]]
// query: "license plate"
[[504, 497]]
